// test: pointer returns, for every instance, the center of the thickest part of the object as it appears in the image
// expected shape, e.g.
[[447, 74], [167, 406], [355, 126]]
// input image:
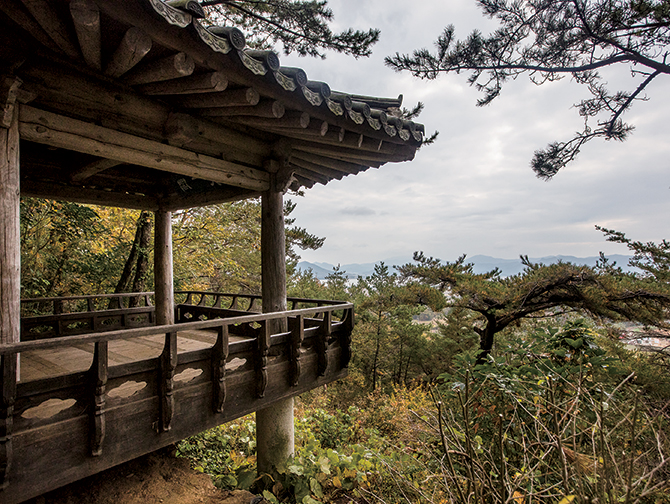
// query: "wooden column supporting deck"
[[10, 266], [165, 314], [274, 425]]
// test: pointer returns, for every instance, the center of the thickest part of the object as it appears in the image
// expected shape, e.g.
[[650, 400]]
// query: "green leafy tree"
[[134, 275], [540, 291], [219, 247], [301, 26], [549, 39], [70, 249]]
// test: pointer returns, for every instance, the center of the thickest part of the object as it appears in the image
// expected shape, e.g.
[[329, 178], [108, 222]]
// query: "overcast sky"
[[473, 191]]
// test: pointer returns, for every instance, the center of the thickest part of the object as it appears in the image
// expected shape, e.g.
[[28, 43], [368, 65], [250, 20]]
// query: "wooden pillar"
[[10, 267], [273, 252], [10, 251], [164, 288], [274, 424]]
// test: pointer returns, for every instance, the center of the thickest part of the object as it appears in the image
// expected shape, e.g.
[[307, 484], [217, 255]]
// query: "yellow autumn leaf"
[[336, 482], [567, 499]]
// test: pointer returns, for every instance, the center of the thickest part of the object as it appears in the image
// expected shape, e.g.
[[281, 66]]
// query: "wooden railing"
[[178, 394], [52, 317], [55, 317]]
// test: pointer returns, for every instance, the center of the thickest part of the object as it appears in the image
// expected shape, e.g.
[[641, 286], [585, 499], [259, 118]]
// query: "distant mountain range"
[[481, 263]]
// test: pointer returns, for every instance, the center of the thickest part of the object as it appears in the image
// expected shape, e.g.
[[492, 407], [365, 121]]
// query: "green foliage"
[[550, 418], [69, 249], [555, 415], [386, 342], [227, 452], [317, 473], [550, 39], [218, 247], [301, 26]]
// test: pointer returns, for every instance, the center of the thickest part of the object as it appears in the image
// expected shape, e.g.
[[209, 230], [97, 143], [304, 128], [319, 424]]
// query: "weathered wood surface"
[[60, 131], [119, 412], [163, 268], [170, 67], [49, 326], [133, 47], [10, 253], [99, 379], [204, 83], [86, 17], [228, 98], [265, 108], [44, 13]]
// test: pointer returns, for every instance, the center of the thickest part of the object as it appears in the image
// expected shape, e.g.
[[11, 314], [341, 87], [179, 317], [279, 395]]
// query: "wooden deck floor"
[[39, 364]]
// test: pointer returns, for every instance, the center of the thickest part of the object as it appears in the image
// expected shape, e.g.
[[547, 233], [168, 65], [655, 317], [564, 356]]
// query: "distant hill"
[[481, 263]]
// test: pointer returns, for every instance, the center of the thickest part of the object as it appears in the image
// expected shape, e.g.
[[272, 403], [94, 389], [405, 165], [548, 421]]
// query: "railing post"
[[297, 336], [99, 378], [323, 336], [262, 350], [219, 358], [7, 397], [345, 338], [168, 361]]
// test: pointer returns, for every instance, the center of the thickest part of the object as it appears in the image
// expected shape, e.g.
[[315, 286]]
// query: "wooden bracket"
[[284, 179], [282, 174], [323, 338], [99, 379], [219, 358], [180, 129], [9, 91], [297, 336], [345, 338], [168, 365], [262, 351]]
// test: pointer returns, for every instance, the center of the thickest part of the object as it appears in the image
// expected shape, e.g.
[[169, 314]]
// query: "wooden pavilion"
[[146, 104]]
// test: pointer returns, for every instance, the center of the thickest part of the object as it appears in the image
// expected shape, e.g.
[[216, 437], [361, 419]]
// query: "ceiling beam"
[[63, 132]]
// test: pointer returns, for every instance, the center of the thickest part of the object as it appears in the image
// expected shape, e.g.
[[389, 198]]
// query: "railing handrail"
[[258, 296], [23, 346], [325, 302], [87, 296]]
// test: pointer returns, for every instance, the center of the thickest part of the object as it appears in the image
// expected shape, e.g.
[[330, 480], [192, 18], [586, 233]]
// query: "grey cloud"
[[358, 210]]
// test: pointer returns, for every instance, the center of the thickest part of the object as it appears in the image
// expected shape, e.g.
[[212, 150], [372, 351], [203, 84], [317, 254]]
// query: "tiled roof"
[[197, 86]]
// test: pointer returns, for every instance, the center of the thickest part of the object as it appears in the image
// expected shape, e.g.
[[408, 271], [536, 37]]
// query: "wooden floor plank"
[[40, 364]]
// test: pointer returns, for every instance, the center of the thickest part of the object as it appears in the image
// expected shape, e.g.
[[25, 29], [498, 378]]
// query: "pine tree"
[[541, 291], [300, 26], [549, 39]]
